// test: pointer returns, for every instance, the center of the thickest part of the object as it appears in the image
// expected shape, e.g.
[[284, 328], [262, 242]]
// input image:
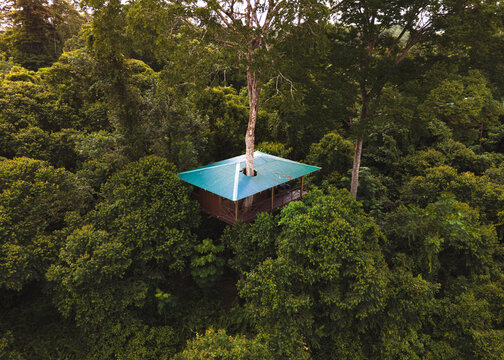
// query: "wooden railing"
[[230, 213]]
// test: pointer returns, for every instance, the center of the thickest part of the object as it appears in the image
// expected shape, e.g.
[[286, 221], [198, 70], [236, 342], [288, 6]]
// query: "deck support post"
[[272, 198], [301, 195], [220, 206], [236, 210]]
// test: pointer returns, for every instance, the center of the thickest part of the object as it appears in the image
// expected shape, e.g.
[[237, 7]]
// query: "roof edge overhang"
[[242, 185]]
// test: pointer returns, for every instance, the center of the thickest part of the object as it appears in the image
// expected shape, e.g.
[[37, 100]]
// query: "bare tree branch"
[[292, 88], [336, 6], [270, 15], [248, 14], [254, 12], [222, 14], [419, 36], [396, 41]]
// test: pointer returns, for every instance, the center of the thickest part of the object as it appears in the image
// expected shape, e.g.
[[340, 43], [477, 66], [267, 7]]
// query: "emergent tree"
[[375, 39], [250, 29]]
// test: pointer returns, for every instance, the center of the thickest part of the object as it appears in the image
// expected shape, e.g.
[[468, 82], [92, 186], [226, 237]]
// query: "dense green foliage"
[[104, 255], [37, 30]]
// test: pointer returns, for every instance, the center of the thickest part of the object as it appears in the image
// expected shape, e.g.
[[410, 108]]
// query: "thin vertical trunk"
[[356, 167], [253, 93], [354, 184]]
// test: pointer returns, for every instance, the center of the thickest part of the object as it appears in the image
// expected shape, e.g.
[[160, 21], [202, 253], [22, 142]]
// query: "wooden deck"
[[281, 198]]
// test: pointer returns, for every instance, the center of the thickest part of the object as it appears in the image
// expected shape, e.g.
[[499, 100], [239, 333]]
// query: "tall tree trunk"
[[354, 184], [253, 93], [356, 167]]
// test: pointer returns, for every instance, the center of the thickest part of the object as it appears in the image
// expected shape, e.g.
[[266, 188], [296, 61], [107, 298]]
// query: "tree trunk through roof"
[[254, 92]]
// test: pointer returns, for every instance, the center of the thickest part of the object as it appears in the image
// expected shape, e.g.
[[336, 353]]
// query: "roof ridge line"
[[237, 175]]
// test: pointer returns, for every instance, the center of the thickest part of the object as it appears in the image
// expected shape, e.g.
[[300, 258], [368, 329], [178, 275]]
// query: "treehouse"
[[224, 191]]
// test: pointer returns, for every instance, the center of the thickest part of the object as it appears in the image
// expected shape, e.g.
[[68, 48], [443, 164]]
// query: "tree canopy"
[[395, 251]]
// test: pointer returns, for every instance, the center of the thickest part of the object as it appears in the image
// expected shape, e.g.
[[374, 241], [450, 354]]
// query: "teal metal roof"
[[225, 178]]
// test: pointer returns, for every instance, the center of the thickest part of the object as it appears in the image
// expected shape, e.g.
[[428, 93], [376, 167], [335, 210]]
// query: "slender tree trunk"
[[356, 167], [253, 93], [354, 184]]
